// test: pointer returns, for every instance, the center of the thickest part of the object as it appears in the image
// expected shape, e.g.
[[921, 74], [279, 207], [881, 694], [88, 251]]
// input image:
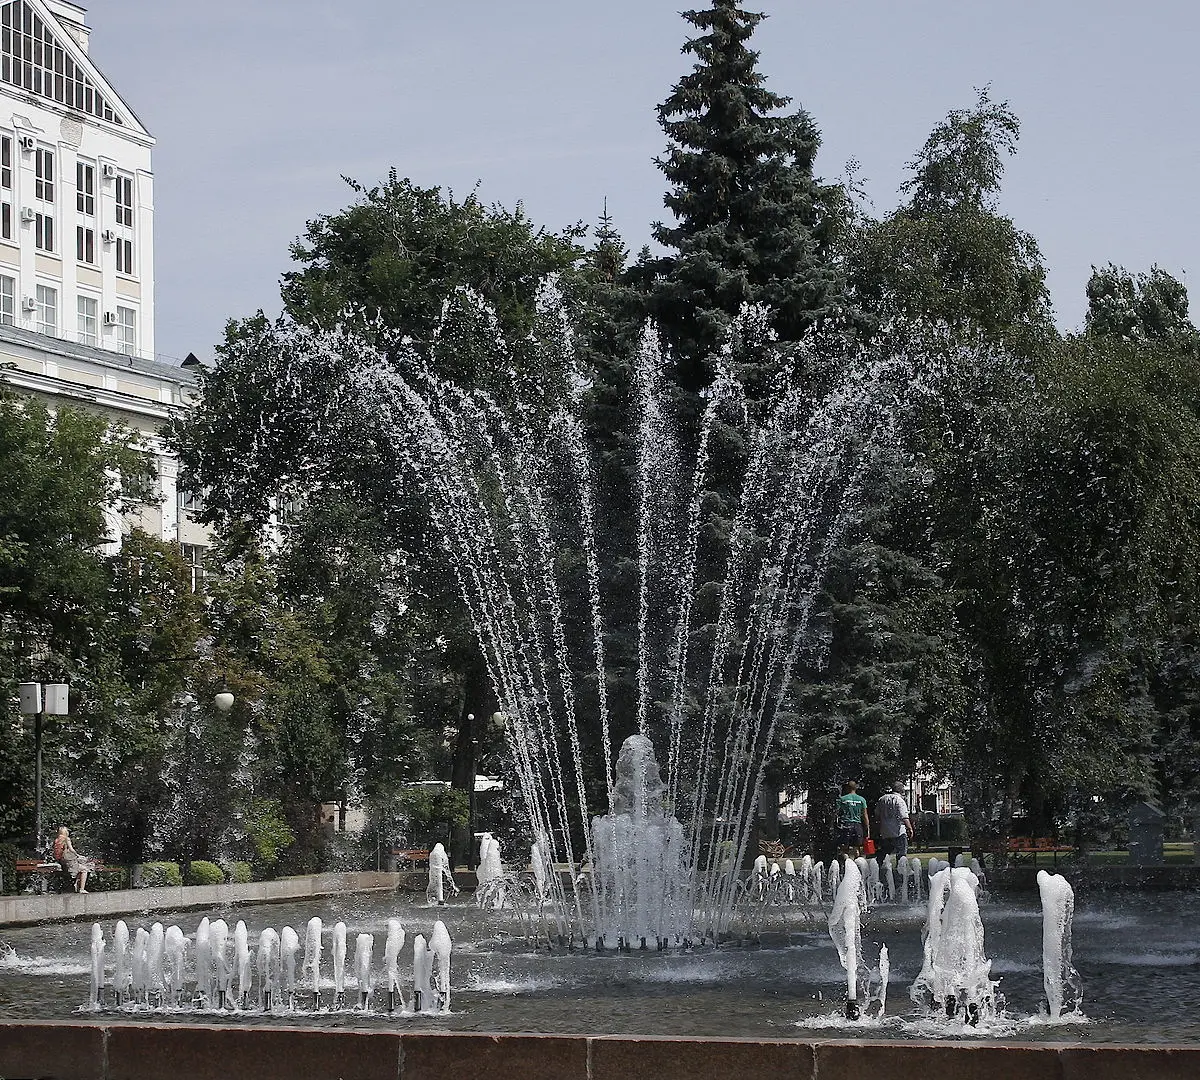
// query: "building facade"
[[77, 249], [76, 188]]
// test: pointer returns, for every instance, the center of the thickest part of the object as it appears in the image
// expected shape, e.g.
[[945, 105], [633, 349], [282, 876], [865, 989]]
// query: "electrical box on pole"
[[54, 698], [31, 698]]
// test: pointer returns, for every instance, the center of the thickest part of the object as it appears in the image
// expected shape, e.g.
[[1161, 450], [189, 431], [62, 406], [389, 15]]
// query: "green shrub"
[[241, 873], [155, 874], [268, 832], [203, 872]]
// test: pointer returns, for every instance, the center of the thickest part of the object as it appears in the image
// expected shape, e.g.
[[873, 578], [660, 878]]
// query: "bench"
[[1033, 846], [410, 858], [41, 871], [44, 871]]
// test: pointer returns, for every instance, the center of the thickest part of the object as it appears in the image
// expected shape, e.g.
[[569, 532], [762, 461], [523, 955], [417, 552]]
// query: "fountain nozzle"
[[853, 1012]]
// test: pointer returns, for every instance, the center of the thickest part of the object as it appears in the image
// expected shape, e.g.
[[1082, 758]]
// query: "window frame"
[[126, 330], [8, 300], [46, 297], [86, 338]]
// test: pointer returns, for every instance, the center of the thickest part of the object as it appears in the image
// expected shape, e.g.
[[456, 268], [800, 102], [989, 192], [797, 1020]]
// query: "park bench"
[[41, 872], [1019, 847], [44, 871], [410, 858]]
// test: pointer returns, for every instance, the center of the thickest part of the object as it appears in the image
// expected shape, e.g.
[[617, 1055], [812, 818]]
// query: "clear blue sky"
[[260, 106]]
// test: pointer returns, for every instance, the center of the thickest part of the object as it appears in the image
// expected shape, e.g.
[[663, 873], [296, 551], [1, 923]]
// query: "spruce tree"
[[752, 222]]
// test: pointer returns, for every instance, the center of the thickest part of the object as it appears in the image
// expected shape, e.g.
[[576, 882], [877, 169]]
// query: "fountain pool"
[[1138, 955]]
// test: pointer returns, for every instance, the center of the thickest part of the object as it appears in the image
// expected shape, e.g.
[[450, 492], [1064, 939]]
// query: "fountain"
[[339, 965], [391, 957], [96, 989], [157, 972], [268, 967], [312, 959], [439, 876], [955, 977], [510, 484], [1059, 977], [845, 927], [639, 877]]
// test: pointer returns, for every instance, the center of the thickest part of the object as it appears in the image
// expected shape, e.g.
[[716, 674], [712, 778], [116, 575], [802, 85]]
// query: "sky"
[[260, 107]]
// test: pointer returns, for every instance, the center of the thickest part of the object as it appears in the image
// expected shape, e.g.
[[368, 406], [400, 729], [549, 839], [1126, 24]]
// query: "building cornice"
[[31, 382]]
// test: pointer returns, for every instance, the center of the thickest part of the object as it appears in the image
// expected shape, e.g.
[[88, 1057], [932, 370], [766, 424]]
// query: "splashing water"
[[1063, 986], [955, 979], [509, 486]]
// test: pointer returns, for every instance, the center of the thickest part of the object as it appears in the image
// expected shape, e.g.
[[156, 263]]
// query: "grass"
[[1174, 854]]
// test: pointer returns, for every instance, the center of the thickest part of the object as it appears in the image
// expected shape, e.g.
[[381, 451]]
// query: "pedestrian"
[[892, 824], [854, 825]]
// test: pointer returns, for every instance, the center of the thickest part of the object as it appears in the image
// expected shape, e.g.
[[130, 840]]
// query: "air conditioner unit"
[[108, 236], [28, 303], [27, 143], [110, 318], [108, 170], [28, 213]]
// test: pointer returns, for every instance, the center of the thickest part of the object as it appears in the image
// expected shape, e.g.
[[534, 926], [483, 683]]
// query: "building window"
[[85, 188], [193, 555], [32, 59], [126, 330], [43, 185], [125, 225], [85, 204], [190, 502], [43, 232], [85, 244], [8, 295], [125, 201], [43, 192], [47, 310], [6, 187], [89, 327]]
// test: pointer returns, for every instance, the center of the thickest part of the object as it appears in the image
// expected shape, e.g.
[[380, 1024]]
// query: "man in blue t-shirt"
[[854, 826]]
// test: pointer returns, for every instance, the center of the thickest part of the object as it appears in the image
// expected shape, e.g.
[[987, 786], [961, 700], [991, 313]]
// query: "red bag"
[[868, 846]]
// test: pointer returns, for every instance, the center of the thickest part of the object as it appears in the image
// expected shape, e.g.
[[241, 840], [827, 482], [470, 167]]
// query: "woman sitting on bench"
[[70, 860]]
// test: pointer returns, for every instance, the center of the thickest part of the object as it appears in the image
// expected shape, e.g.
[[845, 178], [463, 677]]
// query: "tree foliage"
[[753, 225]]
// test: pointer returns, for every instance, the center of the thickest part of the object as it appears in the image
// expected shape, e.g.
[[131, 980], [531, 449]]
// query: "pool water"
[[1138, 955]]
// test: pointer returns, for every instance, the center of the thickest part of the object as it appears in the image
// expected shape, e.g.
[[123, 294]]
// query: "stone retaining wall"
[[53, 907], [77, 1051]]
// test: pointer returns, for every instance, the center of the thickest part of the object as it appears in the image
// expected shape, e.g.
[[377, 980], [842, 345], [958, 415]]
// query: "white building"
[[77, 246], [76, 188]]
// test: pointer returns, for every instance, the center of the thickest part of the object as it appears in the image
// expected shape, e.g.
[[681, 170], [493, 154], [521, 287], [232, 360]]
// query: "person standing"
[[854, 825], [892, 824]]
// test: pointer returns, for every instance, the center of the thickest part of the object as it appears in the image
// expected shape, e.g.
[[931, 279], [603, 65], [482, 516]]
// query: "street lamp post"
[[38, 700]]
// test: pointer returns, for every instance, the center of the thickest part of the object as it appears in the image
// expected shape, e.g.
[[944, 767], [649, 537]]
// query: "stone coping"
[[81, 1051], [56, 907]]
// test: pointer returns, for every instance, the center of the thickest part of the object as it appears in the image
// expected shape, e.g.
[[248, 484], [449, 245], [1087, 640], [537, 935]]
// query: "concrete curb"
[[55, 907], [71, 1050]]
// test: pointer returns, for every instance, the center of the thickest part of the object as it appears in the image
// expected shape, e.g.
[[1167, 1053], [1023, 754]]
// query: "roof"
[[15, 335]]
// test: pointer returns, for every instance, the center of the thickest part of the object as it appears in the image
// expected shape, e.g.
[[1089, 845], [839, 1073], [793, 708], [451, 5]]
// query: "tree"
[[58, 474], [400, 251], [948, 254], [1152, 306], [752, 224], [1066, 512]]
